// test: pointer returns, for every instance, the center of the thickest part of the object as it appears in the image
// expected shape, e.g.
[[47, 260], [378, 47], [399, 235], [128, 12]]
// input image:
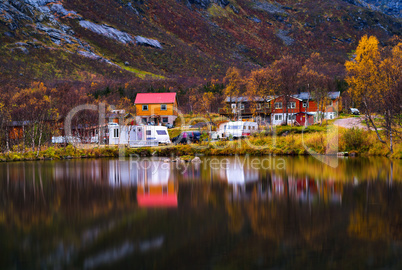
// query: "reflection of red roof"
[[157, 200], [155, 98]]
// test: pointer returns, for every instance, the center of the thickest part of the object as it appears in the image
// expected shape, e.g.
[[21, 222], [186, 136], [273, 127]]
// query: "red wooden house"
[[299, 108]]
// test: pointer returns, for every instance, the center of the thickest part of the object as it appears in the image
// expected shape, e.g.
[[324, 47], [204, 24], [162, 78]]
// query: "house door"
[[139, 133]]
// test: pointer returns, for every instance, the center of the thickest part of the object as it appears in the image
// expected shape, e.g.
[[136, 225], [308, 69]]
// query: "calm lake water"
[[223, 213]]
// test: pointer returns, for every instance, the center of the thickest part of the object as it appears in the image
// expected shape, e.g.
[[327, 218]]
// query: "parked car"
[[169, 125], [197, 136], [354, 111], [187, 137]]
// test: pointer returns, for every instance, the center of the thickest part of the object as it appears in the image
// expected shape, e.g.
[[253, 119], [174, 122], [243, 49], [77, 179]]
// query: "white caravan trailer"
[[157, 133], [138, 135], [237, 129]]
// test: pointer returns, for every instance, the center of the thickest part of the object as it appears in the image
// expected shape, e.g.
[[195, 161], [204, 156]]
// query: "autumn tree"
[[206, 101], [362, 77], [285, 79], [193, 97], [375, 84], [313, 78], [260, 87], [234, 85], [33, 107], [5, 119], [390, 85]]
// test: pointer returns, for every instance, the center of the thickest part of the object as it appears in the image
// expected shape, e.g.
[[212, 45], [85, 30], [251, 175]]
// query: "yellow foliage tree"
[[375, 83], [363, 77]]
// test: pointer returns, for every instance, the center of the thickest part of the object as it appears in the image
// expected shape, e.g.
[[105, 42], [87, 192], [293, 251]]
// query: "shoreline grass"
[[286, 141]]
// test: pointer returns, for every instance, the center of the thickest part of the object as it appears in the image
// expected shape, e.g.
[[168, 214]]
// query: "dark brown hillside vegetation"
[[199, 41]]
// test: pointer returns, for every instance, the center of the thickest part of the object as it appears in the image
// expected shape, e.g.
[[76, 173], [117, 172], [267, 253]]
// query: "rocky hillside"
[[180, 40], [389, 7]]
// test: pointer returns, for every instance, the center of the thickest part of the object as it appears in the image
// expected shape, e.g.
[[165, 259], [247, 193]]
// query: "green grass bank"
[[283, 141]]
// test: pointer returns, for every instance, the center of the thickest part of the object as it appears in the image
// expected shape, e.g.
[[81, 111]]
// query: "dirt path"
[[351, 122]]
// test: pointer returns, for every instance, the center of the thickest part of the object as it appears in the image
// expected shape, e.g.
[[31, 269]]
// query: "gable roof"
[[301, 96], [246, 99], [155, 98], [306, 95]]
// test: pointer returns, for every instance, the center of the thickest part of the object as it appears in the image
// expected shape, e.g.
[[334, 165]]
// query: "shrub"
[[397, 151], [354, 139], [50, 152]]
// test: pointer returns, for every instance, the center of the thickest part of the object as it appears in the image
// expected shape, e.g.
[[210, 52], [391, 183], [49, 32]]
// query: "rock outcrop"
[[282, 34], [389, 7], [274, 8], [148, 42], [44, 16], [107, 31], [206, 3], [11, 16]]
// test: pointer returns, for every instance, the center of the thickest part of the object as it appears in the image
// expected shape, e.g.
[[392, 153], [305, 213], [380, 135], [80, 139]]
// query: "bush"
[[397, 151], [354, 139], [50, 153]]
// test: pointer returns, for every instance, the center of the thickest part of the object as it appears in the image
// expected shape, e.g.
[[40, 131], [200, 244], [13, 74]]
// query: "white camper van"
[[237, 129], [138, 135]]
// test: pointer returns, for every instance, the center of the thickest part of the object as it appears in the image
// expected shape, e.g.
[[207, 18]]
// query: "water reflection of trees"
[[377, 216], [292, 210]]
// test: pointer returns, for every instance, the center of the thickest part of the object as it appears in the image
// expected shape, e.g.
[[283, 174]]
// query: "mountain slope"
[[389, 7], [181, 40]]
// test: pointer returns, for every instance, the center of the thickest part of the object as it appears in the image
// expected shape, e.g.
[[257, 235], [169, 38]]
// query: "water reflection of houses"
[[154, 188], [244, 180], [152, 178], [306, 189]]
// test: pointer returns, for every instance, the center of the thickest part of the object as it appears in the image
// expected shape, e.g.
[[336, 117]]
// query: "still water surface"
[[223, 213]]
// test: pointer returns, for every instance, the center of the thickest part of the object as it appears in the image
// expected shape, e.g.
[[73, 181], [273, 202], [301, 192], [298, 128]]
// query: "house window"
[[268, 105], [292, 105], [145, 107], [278, 105], [278, 117], [161, 132], [163, 107], [116, 133], [233, 106], [258, 106], [305, 104], [241, 106], [165, 120]]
